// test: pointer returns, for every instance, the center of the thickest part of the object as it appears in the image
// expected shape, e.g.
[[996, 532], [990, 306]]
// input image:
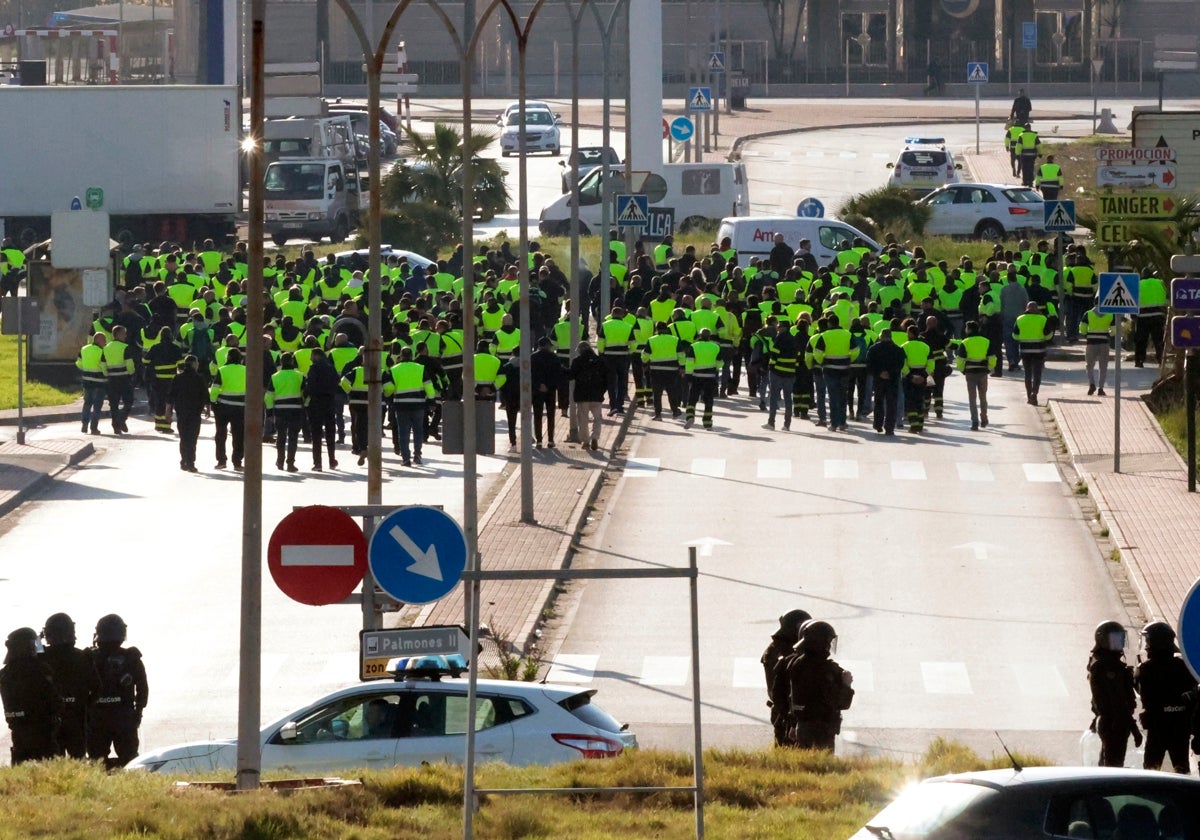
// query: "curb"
[[44, 479]]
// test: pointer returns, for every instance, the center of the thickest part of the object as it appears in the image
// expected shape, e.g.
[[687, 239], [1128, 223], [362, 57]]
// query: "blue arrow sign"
[[682, 129], [977, 72], [1119, 293], [1058, 215], [417, 554], [1189, 629], [811, 208]]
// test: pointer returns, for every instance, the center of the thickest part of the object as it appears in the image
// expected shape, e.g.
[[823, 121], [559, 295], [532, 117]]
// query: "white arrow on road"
[[705, 544], [425, 561], [979, 548]]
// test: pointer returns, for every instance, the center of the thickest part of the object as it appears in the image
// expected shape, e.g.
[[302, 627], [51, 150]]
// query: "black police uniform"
[[774, 662], [75, 676], [1113, 704], [819, 694], [1167, 689], [117, 710], [31, 706]]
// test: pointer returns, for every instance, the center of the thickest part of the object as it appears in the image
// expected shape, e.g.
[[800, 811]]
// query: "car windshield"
[[1020, 195], [536, 117], [594, 157], [924, 809], [290, 180], [923, 157]]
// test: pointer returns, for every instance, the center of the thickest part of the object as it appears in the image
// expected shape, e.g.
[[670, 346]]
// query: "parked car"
[[588, 158], [540, 129], [420, 717], [923, 165], [388, 141], [983, 211], [1043, 802], [388, 118]]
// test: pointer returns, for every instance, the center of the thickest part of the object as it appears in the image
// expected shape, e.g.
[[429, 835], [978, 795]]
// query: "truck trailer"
[[162, 160]]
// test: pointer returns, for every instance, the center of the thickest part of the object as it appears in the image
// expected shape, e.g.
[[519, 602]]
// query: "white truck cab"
[[312, 186]]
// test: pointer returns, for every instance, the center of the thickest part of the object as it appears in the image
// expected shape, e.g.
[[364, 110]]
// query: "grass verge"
[[1174, 425], [36, 394]]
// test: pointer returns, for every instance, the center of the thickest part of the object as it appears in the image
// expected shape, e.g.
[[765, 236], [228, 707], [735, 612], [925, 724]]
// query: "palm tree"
[[433, 173]]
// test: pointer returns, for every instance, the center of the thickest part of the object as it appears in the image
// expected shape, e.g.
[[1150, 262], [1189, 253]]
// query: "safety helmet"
[[59, 630], [792, 619], [1158, 635], [1110, 635], [21, 643], [110, 628], [817, 637]]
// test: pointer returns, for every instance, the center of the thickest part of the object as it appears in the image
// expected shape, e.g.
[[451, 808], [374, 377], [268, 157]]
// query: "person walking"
[[163, 360], [1021, 107], [228, 395], [1150, 323], [1113, 699], [116, 713], [93, 372], [510, 392], [285, 398], [119, 369], [1098, 331], [590, 375], [664, 359], [819, 689], [408, 386], [975, 359], [31, 701], [1029, 144], [782, 353], [75, 677], [833, 351], [1014, 300], [189, 397], [1168, 691], [321, 388], [885, 362], [702, 364], [545, 372], [1049, 179], [613, 342], [1033, 331]]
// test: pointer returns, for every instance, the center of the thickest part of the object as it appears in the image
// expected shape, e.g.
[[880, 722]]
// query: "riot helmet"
[[21, 644], [59, 630], [110, 628], [817, 637], [793, 619], [1158, 635], [1110, 635]]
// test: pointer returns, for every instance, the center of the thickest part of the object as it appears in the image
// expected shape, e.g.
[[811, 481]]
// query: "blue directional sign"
[[1029, 35], [682, 129], [633, 211], [1058, 215], [417, 554], [810, 208], [699, 99], [1119, 293], [977, 72], [1189, 629]]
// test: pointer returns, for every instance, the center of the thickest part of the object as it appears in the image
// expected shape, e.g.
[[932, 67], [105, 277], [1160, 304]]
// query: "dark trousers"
[[1050, 193], [641, 392], [1028, 165], [323, 427], [1034, 363], [72, 732], [1114, 741], [358, 429], [93, 404], [835, 385], [160, 404], [815, 735], [564, 387], [120, 400], [231, 421], [914, 403], [886, 393], [189, 432], [31, 742], [339, 415], [618, 379], [664, 382], [857, 393], [288, 422], [512, 410], [408, 429], [117, 728], [704, 388], [1167, 739], [543, 403], [1147, 329]]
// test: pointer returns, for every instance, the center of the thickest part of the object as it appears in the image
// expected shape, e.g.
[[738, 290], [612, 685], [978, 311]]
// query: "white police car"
[[540, 129], [419, 717], [924, 165]]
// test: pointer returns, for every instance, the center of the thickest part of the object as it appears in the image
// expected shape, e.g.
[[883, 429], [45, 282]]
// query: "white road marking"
[[708, 467], [316, 555], [969, 471], [1041, 472], [945, 678], [774, 468], [840, 468], [665, 670], [1040, 680], [641, 467], [864, 674], [908, 470], [572, 668], [748, 673]]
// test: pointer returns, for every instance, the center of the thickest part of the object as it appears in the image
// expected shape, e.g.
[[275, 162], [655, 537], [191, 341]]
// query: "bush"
[[424, 228], [887, 209]]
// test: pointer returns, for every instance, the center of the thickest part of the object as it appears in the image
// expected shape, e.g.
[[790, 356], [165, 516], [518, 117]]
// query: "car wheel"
[[990, 230], [280, 239], [556, 151], [564, 228], [504, 153]]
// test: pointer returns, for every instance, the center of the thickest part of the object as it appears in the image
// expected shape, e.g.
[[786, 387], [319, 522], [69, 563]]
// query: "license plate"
[[296, 225]]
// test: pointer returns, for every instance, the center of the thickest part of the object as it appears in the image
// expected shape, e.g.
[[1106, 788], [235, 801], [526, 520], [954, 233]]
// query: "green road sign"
[[94, 197]]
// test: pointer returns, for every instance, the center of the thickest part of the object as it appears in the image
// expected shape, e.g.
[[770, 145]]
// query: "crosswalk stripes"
[[774, 468], [1037, 679], [1041, 472], [641, 467], [710, 467], [863, 673], [968, 471], [908, 470], [572, 668], [665, 670], [748, 673], [945, 678], [839, 468]]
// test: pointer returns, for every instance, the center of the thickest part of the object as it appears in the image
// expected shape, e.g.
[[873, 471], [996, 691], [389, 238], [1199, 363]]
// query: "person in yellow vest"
[[1151, 321], [702, 363], [1029, 144], [663, 252], [1033, 331], [286, 398], [613, 344], [833, 350], [228, 395], [163, 360], [1049, 179], [918, 374], [118, 362], [408, 386], [93, 372], [975, 359], [488, 378], [12, 262], [1012, 137], [663, 359], [1098, 332]]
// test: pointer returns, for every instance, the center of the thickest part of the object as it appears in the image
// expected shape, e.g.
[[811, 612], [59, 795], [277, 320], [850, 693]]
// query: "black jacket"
[[545, 373], [591, 377], [189, 394]]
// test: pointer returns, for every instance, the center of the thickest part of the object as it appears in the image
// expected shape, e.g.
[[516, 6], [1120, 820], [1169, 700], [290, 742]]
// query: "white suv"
[[540, 129], [924, 165]]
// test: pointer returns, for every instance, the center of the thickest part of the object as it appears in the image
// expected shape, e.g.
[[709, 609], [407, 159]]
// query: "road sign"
[[1185, 293], [1189, 629], [1058, 215], [1136, 206], [417, 554], [699, 99], [317, 555], [1119, 293], [682, 129], [377, 647], [810, 208], [1029, 35], [1158, 175], [1185, 334], [1128, 154], [716, 62], [977, 72], [76, 204], [1120, 231], [94, 198], [666, 129], [633, 210]]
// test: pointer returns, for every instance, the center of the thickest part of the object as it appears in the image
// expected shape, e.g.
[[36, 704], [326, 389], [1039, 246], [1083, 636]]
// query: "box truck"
[[317, 192], [162, 160]]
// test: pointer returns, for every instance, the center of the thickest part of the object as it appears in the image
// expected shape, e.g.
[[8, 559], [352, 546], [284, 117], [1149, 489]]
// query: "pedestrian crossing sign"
[[633, 211], [1119, 293], [977, 72], [1058, 215], [699, 99], [716, 62]]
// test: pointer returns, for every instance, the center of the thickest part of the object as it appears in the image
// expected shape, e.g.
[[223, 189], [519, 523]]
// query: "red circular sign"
[[317, 555], [666, 129]]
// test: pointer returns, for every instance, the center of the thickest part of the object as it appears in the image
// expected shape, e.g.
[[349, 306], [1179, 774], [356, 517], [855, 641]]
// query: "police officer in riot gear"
[[75, 676], [31, 702], [116, 712], [819, 688], [1113, 698], [1168, 692], [782, 642]]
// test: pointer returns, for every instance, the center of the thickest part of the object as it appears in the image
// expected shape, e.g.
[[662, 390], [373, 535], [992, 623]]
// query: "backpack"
[[200, 343]]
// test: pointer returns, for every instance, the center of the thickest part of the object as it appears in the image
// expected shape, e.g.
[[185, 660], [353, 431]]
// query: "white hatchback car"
[[413, 720], [924, 164], [983, 211], [540, 129]]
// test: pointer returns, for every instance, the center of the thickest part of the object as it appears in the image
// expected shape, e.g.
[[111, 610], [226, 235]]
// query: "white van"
[[755, 236], [680, 196]]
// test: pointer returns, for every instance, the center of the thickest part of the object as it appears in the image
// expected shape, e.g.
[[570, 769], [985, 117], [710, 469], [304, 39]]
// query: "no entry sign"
[[317, 555]]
